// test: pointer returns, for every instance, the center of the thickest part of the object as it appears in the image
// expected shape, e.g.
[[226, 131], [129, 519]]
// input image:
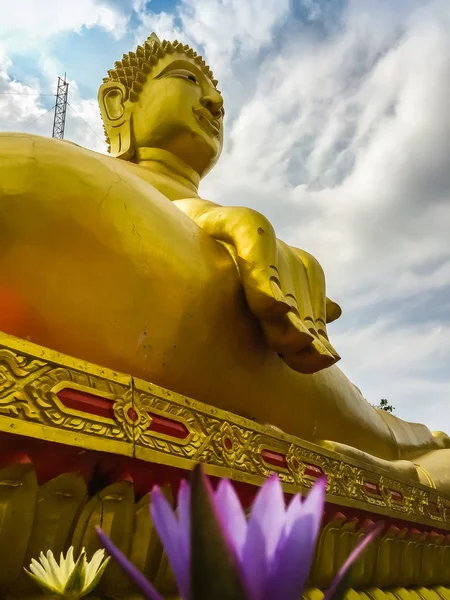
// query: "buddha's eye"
[[184, 75]]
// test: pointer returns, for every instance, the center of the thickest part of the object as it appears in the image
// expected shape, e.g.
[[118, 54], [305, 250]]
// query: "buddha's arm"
[[284, 286]]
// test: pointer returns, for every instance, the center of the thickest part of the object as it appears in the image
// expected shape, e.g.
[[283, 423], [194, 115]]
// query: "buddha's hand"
[[284, 286]]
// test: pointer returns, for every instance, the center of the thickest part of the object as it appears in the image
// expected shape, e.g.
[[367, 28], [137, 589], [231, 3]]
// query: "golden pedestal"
[[81, 445]]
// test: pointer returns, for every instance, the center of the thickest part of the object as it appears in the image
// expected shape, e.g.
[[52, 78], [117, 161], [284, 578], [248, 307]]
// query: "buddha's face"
[[181, 111]]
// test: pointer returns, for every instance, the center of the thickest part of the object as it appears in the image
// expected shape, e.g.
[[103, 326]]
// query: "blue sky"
[[337, 129]]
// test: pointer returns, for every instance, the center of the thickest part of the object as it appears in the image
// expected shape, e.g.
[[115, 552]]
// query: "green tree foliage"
[[384, 405]]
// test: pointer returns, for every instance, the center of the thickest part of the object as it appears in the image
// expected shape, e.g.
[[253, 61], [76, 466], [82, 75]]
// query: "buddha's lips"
[[206, 119]]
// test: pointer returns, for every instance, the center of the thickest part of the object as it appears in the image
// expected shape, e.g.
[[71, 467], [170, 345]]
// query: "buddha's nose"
[[213, 101]]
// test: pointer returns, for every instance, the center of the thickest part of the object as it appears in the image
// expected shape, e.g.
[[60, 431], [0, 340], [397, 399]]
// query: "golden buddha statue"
[[117, 260]]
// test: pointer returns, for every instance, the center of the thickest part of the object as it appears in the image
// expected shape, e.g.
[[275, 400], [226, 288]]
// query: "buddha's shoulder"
[[21, 147], [29, 156]]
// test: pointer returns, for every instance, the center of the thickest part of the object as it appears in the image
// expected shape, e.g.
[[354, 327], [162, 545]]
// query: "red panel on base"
[[313, 471], [372, 488], [87, 403], [274, 458], [396, 496], [168, 427]]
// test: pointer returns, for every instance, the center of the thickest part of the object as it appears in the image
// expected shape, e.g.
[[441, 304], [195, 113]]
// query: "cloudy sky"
[[337, 128]]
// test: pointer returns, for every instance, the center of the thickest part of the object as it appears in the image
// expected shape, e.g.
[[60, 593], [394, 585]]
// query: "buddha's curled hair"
[[132, 71]]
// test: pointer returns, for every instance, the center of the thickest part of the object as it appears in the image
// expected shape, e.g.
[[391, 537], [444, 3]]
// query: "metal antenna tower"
[[59, 121]]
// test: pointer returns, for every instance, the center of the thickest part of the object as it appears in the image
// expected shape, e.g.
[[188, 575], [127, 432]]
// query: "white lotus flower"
[[69, 579]]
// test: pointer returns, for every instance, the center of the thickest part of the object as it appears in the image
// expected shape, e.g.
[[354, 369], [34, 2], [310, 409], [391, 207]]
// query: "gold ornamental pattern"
[[32, 380], [17, 372], [43, 393], [28, 391], [131, 416], [207, 439]]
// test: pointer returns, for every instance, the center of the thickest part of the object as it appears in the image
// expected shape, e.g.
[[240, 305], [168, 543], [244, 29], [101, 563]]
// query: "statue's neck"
[[167, 173]]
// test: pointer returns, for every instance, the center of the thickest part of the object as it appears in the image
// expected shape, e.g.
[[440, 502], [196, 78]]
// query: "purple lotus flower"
[[215, 552]]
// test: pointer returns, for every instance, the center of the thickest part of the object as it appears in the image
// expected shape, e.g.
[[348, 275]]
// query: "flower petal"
[[48, 572], [215, 568], [293, 513], [75, 584], [92, 584], [139, 579], [68, 563], [254, 562], [351, 559], [263, 533], [54, 569], [292, 562], [171, 536], [295, 551], [314, 503], [43, 584], [230, 510], [184, 518], [269, 510], [93, 565], [37, 569]]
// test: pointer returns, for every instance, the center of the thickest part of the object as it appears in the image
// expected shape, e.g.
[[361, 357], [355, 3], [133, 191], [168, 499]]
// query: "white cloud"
[[232, 29], [19, 103], [397, 349], [403, 363], [226, 29], [5, 62], [29, 21]]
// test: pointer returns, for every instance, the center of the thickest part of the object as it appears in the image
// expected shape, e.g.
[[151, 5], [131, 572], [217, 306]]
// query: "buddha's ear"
[[111, 97], [116, 115]]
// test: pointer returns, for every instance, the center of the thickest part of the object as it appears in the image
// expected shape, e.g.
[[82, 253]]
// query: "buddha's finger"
[[302, 290], [312, 359], [316, 283], [326, 342], [286, 277], [291, 333], [313, 306], [321, 353], [262, 287], [286, 334]]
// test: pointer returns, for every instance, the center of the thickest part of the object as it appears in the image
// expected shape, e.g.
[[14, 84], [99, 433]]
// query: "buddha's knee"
[[441, 439], [433, 469]]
